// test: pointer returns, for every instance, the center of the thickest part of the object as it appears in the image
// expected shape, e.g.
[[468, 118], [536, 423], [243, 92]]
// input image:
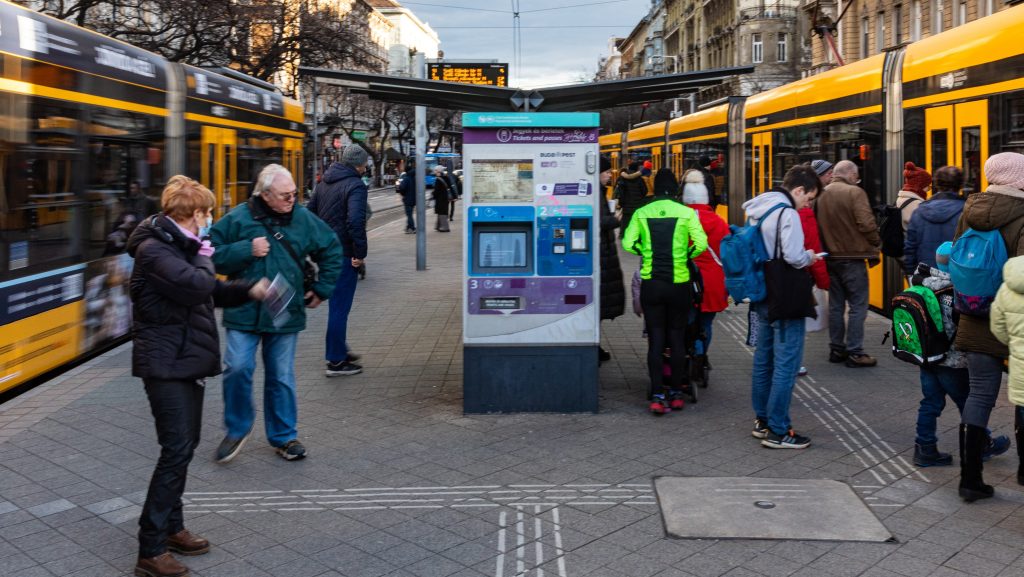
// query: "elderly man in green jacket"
[[665, 234], [267, 236]]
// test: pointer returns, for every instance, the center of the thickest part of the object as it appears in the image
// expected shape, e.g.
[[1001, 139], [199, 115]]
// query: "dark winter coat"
[[613, 290], [709, 182], [440, 196], [340, 201], [407, 188], [1002, 208], [631, 191], [173, 291], [931, 224], [308, 235]]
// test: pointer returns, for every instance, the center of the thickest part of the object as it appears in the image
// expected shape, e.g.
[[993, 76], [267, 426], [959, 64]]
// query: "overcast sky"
[[482, 29]]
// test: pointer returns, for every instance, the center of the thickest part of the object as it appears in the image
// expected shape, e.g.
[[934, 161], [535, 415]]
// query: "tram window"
[[254, 152], [1015, 120], [940, 148], [971, 158], [38, 177]]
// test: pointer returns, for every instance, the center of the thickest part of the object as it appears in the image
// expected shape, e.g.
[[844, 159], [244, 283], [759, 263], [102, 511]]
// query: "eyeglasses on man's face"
[[287, 196]]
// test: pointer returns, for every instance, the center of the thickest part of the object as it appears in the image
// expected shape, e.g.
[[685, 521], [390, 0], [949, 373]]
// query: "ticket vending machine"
[[531, 288]]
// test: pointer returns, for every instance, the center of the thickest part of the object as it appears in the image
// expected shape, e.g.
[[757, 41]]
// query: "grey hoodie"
[[792, 231]]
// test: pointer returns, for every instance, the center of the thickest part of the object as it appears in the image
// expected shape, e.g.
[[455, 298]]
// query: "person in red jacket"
[[812, 239], [715, 300]]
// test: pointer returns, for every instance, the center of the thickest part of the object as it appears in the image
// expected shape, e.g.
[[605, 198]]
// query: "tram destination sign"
[[492, 74]]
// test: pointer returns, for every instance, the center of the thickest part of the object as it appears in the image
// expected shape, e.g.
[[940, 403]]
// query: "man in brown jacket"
[[850, 236]]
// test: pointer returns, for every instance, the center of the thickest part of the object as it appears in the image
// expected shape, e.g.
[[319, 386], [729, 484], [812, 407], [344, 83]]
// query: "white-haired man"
[[264, 237], [850, 235]]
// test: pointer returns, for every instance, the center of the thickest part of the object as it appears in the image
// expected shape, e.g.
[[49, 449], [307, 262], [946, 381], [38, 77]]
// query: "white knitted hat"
[[1006, 168], [694, 190]]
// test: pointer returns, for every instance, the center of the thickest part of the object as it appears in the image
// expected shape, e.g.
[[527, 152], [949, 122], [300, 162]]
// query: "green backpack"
[[918, 335]]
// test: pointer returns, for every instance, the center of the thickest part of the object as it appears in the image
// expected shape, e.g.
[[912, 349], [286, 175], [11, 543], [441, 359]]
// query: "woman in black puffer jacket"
[[613, 290], [176, 346]]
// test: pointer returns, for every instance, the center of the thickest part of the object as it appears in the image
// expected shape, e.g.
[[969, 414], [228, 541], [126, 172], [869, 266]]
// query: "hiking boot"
[[659, 406], [930, 456], [185, 543], [760, 429], [675, 401], [163, 565], [790, 440], [291, 451], [996, 446], [856, 360], [230, 447], [345, 367], [835, 356]]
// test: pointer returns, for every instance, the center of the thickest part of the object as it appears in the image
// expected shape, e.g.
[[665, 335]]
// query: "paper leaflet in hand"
[[279, 295]]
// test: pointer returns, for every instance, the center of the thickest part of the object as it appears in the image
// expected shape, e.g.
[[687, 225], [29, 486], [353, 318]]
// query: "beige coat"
[[846, 221], [908, 210], [1007, 323]]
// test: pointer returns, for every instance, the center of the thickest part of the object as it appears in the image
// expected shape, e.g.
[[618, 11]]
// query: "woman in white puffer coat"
[[1007, 324]]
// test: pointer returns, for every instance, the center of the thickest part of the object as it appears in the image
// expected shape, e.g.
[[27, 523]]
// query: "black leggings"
[[666, 309]]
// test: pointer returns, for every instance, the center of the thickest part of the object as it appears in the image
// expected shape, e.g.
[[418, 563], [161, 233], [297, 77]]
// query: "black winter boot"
[[1018, 431], [930, 456], [972, 444]]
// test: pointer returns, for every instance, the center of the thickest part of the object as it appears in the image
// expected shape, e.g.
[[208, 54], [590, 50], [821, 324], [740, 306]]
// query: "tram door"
[[293, 160], [220, 167], [958, 135], [761, 167]]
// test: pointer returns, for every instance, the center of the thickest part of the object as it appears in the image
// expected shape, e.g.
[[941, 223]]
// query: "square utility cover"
[[752, 508]]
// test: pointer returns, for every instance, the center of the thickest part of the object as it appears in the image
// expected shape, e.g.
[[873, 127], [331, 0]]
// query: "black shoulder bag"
[[309, 270], [789, 288]]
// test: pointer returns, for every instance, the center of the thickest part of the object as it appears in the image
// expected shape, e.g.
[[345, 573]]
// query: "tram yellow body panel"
[[34, 345]]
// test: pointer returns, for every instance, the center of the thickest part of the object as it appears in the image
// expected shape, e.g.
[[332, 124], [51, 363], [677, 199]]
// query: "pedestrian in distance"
[[714, 299], [1000, 208], [341, 202], [630, 193], [666, 235], [441, 199], [780, 335], [850, 236], [916, 183], [823, 169], [613, 290], [934, 221], [1007, 324], [407, 188], [266, 236], [176, 347]]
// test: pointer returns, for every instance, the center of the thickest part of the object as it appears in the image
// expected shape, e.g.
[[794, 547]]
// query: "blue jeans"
[[780, 348], [337, 317], [707, 321], [280, 408], [410, 224], [936, 384]]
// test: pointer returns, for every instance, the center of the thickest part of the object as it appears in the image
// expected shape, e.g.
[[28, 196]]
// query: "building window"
[[915, 21], [897, 25], [880, 32], [781, 47], [986, 7], [757, 48], [937, 15], [865, 37]]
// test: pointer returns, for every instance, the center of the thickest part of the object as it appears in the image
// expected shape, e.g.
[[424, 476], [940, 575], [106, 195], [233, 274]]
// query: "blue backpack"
[[976, 269], [743, 256]]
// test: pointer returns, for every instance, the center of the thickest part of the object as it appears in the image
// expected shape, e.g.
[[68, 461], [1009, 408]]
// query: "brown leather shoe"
[[185, 543], [163, 565], [861, 360]]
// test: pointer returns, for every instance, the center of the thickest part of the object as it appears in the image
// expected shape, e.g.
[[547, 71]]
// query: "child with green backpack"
[[1007, 324]]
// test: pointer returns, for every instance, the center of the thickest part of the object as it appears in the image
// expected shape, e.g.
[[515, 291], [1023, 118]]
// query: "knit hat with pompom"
[[916, 179], [694, 189]]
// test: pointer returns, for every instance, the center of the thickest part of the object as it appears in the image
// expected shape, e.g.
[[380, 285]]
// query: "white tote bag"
[[821, 309]]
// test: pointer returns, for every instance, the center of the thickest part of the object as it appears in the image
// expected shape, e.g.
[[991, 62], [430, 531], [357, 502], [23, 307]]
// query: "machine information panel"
[[469, 73], [502, 180]]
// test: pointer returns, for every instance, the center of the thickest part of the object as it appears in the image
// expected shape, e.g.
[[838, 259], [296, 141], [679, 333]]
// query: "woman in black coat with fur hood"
[[613, 289]]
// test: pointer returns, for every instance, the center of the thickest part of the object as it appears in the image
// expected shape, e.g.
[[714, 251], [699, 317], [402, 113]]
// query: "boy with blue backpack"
[[759, 259], [991, 229]]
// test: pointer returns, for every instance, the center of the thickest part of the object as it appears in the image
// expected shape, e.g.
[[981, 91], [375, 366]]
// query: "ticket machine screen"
[[502, 248]]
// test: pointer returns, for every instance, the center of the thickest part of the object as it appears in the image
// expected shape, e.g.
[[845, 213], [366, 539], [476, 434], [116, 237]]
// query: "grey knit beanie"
[[354, 155]]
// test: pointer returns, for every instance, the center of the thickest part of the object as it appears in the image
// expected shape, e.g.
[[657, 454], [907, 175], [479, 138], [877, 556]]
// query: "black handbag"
[[790, 293], [309, 270]]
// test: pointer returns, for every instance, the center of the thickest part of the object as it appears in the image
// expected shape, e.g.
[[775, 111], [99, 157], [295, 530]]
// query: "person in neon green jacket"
[[666, 234]]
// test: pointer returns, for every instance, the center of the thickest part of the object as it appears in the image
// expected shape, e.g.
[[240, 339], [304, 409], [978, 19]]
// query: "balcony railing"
[[769, 13]]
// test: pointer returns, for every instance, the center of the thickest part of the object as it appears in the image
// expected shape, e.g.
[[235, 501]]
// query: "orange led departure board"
[[469, 73]]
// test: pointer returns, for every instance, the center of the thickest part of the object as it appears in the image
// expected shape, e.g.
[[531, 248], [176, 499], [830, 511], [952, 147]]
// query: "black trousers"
[[666, 307], [177, 408]]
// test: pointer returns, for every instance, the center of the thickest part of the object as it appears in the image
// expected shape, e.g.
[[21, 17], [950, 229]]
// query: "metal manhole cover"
[[753, 508]]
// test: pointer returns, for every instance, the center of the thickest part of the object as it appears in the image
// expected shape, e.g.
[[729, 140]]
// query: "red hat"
[[648, 165], [916, 179]]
